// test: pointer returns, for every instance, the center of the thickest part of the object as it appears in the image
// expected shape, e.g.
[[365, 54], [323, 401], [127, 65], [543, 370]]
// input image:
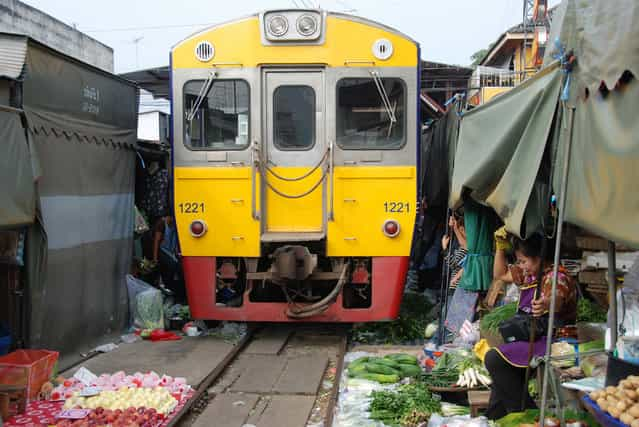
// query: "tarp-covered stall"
[[82, 125], [583, 114], [502, 143]]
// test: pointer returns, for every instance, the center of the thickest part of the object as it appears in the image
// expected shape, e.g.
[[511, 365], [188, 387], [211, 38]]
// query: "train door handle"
[[237, 238], [350, 238]]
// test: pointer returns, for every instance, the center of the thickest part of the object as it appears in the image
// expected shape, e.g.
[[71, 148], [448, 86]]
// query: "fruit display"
[[68, 387], [130, 417], [385, 370], [157, 398], [622, 401]]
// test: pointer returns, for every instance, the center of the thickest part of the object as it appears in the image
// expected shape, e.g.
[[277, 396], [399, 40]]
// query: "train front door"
[[295, 155]]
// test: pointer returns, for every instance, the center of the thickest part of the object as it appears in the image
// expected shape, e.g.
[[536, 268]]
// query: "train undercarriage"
[[295, 283]]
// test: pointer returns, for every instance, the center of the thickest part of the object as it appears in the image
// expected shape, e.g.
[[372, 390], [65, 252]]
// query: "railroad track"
[[273, 370]]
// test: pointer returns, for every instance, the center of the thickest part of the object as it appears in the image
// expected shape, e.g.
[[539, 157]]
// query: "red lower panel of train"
[[386, 288]]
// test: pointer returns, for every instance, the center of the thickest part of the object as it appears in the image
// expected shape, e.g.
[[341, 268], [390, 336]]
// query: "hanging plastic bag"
[[146, 309], [141, 226]]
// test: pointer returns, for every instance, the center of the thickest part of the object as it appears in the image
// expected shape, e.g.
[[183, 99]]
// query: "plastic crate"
[[30, 368], [604, 418]]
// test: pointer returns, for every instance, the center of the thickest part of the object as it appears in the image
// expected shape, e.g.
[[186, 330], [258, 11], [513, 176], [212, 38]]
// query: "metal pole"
[[612, 293], [555, 270]]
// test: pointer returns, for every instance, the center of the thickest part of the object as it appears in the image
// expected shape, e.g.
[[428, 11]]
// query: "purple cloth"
[[516, 353]]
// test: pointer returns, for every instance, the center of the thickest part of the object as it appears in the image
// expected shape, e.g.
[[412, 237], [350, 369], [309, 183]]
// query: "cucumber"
[[381, 361], [359, 368], [404, 358], [409, 370], [380, 378], [376, 368]]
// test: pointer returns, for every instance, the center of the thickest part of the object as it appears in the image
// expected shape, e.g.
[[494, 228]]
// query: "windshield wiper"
[[381, 90], [204, 92]]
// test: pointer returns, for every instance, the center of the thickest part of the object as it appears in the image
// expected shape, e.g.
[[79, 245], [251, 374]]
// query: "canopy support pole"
[[612, 294], [555, 271]]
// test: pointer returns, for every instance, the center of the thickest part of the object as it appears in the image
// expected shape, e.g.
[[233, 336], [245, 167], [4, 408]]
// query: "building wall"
[[153, 126], [19, 18]]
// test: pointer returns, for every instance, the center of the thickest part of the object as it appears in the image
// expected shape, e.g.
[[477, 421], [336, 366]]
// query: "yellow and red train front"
[[295, 140]]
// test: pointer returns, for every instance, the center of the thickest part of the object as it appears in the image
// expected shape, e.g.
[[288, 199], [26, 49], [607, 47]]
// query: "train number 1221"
[[191, 207], [397, 207]]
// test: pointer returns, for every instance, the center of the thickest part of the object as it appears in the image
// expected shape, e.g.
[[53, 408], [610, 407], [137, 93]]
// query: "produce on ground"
[[157, 398], [621, 402], [590, 312], [531, 418], [130, 417], [492, 320], [386, 370], [414, 317], [408, 405]]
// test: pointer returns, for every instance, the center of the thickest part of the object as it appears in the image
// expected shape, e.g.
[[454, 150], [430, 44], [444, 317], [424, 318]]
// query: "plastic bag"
[[146, 309], [141, 226], [437, 420]]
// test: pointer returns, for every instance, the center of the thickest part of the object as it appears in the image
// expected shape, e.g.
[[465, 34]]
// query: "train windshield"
[[222, 120], [294, 117], [370, 113]]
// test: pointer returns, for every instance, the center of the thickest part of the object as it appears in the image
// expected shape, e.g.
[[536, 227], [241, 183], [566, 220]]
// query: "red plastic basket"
[[30, 368]]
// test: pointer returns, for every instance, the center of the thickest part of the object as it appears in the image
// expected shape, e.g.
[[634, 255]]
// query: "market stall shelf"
[[46, 412]]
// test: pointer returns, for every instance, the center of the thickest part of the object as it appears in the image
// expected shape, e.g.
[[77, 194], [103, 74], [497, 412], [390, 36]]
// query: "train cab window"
[[294, 117], [371, 114], [222, 120]]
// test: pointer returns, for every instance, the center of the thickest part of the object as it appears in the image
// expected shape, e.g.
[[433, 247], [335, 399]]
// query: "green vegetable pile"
[[492, 320], [588, 311], [414, 317], [386, 370], [408, 405], [531, 416]]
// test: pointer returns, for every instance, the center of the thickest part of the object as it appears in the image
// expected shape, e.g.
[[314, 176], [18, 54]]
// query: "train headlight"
[[306, 25], [278, 25], [391, 228], [198, 228]]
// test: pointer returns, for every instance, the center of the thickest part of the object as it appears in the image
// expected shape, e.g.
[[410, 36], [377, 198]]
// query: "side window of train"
[[294, 117], [365, 121], [222, 120]]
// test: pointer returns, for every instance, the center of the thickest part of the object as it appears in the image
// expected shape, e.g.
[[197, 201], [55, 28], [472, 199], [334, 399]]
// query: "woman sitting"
[[507, 363]]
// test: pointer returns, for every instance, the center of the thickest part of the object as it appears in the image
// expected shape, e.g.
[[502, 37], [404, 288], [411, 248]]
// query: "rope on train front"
[[293, 196], [307, 174]]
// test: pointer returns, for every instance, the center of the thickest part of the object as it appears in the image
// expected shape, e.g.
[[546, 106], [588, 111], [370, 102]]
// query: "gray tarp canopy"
[[82, 125], [502, 143], [17, 194]]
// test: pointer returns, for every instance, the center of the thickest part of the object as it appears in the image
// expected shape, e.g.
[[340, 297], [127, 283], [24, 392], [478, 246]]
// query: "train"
[[295, 154]]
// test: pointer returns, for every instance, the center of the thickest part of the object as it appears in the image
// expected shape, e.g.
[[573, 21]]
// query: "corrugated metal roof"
[[13, 52]]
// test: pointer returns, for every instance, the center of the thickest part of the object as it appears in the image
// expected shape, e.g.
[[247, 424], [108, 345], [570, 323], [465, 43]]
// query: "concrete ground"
[[282, 379]]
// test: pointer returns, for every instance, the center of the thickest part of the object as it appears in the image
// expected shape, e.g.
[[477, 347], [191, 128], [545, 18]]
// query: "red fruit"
[[110, 418], [141, 410], [118, 412], [67, 383]]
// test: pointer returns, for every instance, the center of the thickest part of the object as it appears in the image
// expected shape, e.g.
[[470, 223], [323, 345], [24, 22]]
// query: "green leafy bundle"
[[406, 406], [492, 320]]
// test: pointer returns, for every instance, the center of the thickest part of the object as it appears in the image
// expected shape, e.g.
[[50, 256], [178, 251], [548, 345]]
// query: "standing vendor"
[[507, 363]]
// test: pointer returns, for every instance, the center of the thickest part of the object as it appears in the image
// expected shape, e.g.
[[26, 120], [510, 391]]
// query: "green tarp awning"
[[500, 148]]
